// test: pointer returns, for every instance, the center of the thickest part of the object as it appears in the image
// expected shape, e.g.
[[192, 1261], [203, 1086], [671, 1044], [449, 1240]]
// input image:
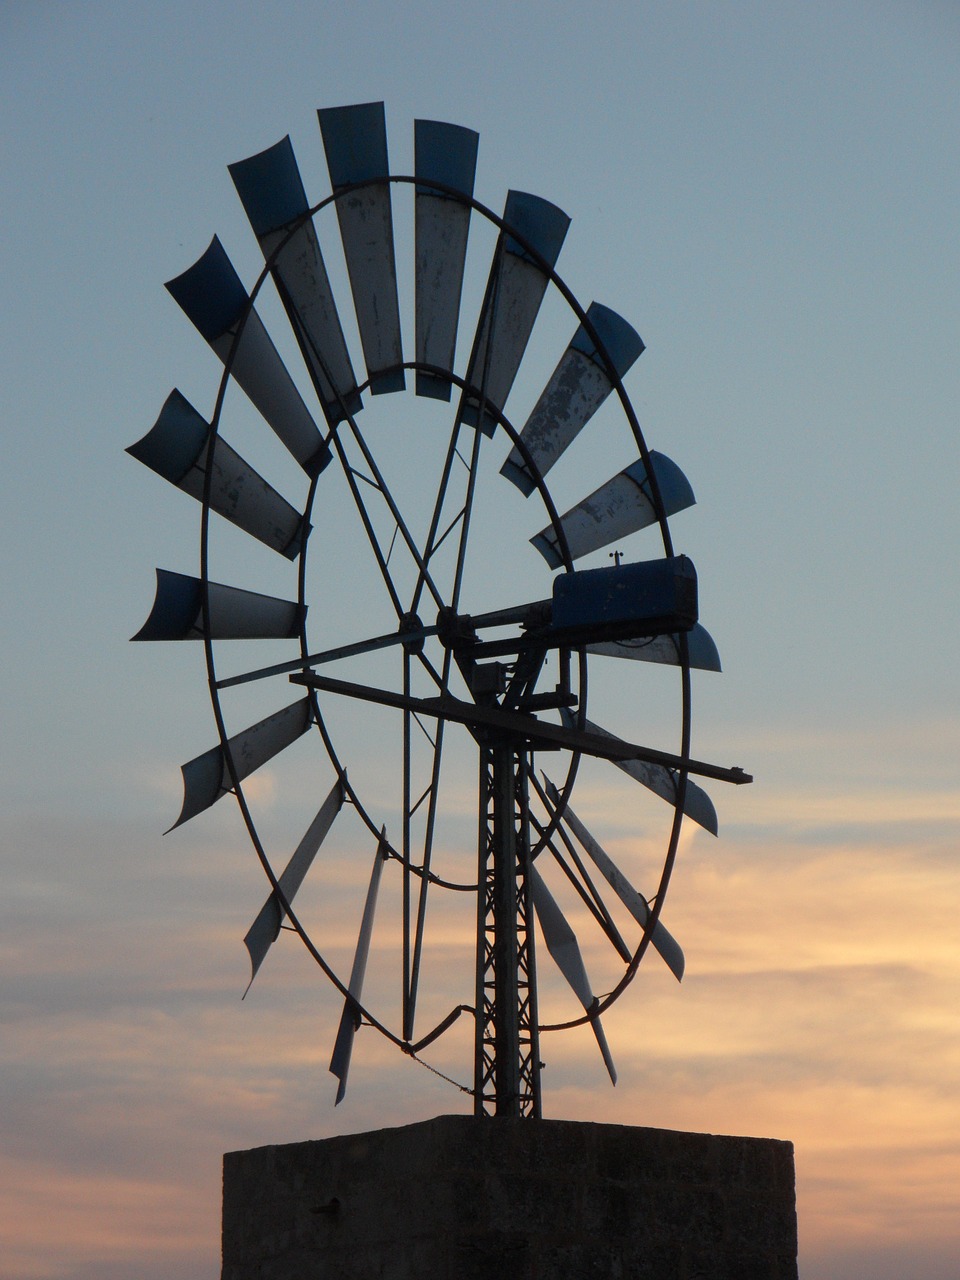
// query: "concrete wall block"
[[460, 1197]]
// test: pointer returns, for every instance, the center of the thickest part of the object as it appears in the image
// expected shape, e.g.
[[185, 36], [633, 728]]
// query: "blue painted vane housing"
[[650, 598]]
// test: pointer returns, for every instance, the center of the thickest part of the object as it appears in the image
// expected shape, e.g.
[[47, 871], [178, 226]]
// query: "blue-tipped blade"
[[702, 651], [177, 448], [618, 508], [234, 614], [213, 298], [210, 293], [511, 303], [446, 154], [576, 390], [208, 777], [355, 143], [271, 189]]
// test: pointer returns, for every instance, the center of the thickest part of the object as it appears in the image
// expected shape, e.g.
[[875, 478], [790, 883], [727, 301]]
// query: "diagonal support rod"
[[526, 727]]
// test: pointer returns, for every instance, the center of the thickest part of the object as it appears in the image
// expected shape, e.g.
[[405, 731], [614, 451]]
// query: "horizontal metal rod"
[[410, 635], [525, 727], [331, 655]]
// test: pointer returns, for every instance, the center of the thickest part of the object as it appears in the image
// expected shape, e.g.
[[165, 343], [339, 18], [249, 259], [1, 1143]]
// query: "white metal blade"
[[701, 649], [355, 143], [563, 947], [512, 301], [234, 614], [266, 928], [343, 1048], [206, 778], [660, 780], [211, 295], [271, 189], [662, 940], [618, 508], [177, 447], [445, 153], [578, 387]]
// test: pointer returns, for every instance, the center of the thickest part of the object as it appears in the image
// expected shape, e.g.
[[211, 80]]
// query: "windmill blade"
[[662, 940], [701, 649], [211, 296], [618, 508], [664, 782], [234, 614], [207, 778], [349, 1019], [445, 153], [563, 947], [355, 143], [177, 446], [578, 387], [512, 300], [266, 928], [271, 191]]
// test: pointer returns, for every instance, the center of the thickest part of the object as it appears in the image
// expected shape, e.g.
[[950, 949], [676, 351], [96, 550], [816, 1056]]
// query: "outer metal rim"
[[566, 790]]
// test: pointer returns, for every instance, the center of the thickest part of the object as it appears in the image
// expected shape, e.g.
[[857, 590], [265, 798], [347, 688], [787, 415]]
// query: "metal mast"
[[507, 1058]]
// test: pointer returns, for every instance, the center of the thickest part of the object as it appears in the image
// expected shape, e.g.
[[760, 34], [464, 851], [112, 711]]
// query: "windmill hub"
[[412, 634]]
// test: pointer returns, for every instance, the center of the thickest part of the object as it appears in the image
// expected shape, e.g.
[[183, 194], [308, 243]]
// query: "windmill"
[[453, 622]]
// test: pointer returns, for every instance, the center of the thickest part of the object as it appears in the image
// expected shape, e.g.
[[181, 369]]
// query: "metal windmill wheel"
[[454, 612]]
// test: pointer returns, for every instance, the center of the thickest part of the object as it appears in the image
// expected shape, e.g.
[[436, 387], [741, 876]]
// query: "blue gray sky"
[[770, 195]]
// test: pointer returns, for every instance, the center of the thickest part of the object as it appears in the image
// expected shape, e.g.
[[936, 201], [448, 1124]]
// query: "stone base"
[[459, 1198]]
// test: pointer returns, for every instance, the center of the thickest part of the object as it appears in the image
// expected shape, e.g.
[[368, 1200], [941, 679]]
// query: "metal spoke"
[[463, 516], [434, 793], [350, 476], [584, 887], [383, 488], [405, 844]]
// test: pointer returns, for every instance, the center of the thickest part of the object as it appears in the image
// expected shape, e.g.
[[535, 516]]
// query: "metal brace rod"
[[528, 728]]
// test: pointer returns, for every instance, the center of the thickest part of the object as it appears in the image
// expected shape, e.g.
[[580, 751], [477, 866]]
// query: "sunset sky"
[[770, 194]]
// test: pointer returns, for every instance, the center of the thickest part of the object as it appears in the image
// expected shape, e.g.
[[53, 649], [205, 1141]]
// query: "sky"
[[769, 195]]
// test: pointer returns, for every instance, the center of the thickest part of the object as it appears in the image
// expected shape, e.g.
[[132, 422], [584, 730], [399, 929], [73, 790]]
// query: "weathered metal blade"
[[563, 947], [445, 153], [578, 387], [662, 940], [512, 300], [266, 928], [234, 614], [666, 649], [355, 143], [212, 297], [618, 508], [176, 447], [349, 1019], [207, 778], [662, 781], [271, 190]]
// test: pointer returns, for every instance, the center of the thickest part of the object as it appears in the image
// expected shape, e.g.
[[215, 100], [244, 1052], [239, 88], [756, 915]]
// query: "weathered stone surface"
[[459, 1197]]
